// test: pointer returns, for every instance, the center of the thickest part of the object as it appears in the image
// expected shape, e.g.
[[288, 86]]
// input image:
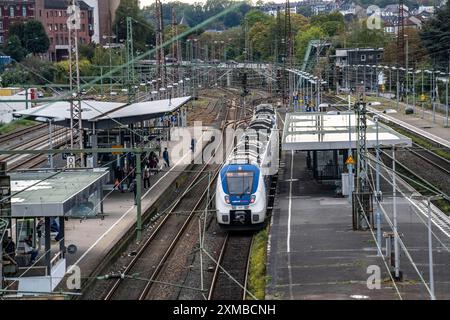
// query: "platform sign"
[[70, 161], [117, 147]]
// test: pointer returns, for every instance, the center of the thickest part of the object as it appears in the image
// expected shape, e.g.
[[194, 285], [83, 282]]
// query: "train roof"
[[253, 143]]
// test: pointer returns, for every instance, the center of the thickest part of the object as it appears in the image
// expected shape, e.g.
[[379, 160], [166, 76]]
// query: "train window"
[[240, 183]]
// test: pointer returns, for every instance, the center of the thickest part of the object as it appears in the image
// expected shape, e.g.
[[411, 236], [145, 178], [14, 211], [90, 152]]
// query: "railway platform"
[[313, 252], [422, 121]]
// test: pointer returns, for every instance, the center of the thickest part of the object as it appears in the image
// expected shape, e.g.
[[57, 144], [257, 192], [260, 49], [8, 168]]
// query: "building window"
[[83, 27], [1, 39], [50, 27], [60, 13], [56, 27], [378, 56], [40, 13], [61, 27], [24, 11], [363, 57], [1, 25], [11, 12], [51, 13]]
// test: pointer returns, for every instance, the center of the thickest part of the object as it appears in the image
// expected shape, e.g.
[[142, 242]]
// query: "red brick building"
[[53, 16], [12, 11]]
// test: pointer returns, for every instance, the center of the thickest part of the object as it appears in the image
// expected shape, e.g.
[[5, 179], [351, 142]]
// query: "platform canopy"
[[104, 115], [48, 193], [306, 131]]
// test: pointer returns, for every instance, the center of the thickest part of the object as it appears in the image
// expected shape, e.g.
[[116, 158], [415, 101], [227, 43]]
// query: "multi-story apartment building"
[[53, 15], [97, 18], [14, 11]]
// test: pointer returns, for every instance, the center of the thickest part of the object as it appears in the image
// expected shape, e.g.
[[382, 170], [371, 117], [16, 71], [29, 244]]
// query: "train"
[[243, 183]]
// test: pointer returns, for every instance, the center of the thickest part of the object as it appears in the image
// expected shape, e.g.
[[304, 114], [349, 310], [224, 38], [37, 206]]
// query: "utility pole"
[[160, 61], [76, 126], [397, 272], [378, 192], [175, 45], [130, 62], [362, 198], [446, 90]]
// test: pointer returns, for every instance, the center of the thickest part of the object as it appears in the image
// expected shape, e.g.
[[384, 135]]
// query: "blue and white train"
[[243, 184]]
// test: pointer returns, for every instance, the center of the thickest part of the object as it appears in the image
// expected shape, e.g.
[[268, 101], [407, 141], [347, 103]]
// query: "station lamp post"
[[430, 239], [110, 59]]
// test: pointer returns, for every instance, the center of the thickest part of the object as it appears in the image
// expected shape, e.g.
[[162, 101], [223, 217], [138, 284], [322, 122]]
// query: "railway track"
[[230, 275], [59, 138], [5, 138], [149, 261]]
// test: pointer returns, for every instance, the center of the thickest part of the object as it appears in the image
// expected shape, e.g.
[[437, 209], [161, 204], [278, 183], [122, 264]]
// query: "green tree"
[[255, 16], [303, 38], [143, 33], [41, 72], [359, 35], [333, 23], [35, 39], [262, 41], [17, 28], [436, 36], [14, 49], [15, 76]]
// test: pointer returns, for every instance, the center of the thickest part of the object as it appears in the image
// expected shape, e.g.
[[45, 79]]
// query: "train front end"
[[240, 197]]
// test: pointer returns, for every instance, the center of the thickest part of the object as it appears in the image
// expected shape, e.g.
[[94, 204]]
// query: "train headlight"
[[227, 199], [253, 199]]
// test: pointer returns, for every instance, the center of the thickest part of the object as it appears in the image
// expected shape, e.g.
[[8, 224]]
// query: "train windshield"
[[240, 183]]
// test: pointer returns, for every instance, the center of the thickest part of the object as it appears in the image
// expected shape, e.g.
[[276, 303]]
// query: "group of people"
[[9, 249], [128, 174]]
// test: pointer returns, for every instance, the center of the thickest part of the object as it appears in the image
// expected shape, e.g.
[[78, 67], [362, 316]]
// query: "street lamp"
[[110, 60], [430, 239]]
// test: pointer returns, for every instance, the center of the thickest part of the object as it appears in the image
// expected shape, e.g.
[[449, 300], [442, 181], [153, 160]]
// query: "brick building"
[[53, 16], [14, 11]]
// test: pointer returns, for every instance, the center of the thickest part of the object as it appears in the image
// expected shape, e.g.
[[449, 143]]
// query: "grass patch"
[[15, 125], [257, 272]]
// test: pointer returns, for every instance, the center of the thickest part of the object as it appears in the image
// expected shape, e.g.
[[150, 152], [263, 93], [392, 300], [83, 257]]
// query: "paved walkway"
[[314, 254]]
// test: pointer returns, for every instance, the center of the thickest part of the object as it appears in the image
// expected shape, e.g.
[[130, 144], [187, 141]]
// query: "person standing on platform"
[[166, 157], [146, 177]]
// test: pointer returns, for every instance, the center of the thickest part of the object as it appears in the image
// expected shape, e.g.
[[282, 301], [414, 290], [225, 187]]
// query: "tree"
[[17, 28], [359, 35], [255, 16], [15, 76], [436, 36], [41, 72], [303, 38], [261, 39], [143, 33], [14, 49], [333, 23], [35, 39], [417, 54]]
